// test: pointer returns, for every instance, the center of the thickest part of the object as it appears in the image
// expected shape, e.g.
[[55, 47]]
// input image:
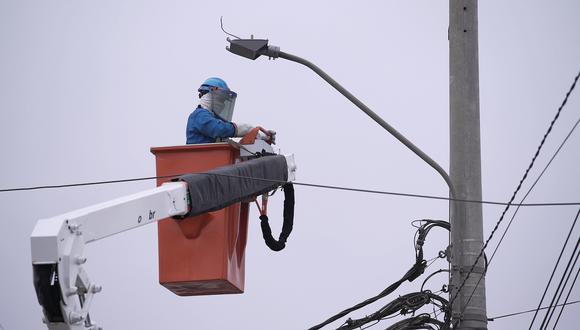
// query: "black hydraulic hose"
[[278, 245]]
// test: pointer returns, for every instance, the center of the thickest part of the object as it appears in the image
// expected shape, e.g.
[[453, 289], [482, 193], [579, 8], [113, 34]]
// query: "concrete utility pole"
[[465, 172]]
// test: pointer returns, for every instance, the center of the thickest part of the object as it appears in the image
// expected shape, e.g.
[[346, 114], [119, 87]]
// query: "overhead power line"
[[433, 197], [567, 296], [532, 187], [561, 286], [313, 185], [521, 201], [89, 183], [462, 285], [555, 267], [529, 311]]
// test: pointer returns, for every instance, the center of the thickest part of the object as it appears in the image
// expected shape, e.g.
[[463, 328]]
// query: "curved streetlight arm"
[[275, 52], [254, 48]]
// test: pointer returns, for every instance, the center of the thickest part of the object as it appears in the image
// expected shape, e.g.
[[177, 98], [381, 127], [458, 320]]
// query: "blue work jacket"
[[203, 126]]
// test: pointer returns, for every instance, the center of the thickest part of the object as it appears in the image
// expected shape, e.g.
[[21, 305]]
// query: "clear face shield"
[[222, 103]]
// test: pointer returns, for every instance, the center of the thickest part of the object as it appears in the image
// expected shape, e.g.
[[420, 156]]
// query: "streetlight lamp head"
[[248, 48], [253, 48]]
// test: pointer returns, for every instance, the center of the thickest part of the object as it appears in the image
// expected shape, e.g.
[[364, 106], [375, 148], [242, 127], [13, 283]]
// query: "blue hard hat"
[[213, 82]]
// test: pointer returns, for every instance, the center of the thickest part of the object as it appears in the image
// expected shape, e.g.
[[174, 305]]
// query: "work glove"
[[243, 129], [269, 137]]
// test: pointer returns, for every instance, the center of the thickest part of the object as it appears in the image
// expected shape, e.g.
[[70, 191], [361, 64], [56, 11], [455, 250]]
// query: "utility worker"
[[211, 121]]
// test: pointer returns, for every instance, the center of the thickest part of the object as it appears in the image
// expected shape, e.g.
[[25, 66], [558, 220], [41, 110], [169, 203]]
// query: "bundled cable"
[[422, 232], [406, 304], [421, 321], [288, 215], [415, 271]]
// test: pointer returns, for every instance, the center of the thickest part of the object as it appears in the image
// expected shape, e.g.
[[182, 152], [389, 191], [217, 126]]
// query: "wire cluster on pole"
[[407, 303], [404, 305]]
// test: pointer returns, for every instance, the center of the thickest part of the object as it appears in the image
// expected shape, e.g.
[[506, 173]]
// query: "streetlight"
[[254, 48]]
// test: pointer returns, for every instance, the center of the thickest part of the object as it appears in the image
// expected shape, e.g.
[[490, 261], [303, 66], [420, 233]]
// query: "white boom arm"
[[63, 287]]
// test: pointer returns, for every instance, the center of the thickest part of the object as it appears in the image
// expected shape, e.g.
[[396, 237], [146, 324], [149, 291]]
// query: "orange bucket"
[[205, 254]]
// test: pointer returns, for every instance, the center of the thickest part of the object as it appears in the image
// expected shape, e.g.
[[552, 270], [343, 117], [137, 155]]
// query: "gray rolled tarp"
[[224, 186]]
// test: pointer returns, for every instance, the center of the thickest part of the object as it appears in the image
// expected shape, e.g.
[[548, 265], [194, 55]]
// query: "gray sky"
[[86, 88]]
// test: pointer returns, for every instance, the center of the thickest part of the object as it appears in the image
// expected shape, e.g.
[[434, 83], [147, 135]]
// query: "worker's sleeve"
[[209, 125]]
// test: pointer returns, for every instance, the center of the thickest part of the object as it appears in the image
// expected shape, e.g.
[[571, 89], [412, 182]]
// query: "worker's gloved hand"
[[243, 129], [270, 136]]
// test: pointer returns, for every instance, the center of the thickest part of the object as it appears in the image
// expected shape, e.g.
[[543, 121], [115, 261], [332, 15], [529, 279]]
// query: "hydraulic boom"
[[64, 289]]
